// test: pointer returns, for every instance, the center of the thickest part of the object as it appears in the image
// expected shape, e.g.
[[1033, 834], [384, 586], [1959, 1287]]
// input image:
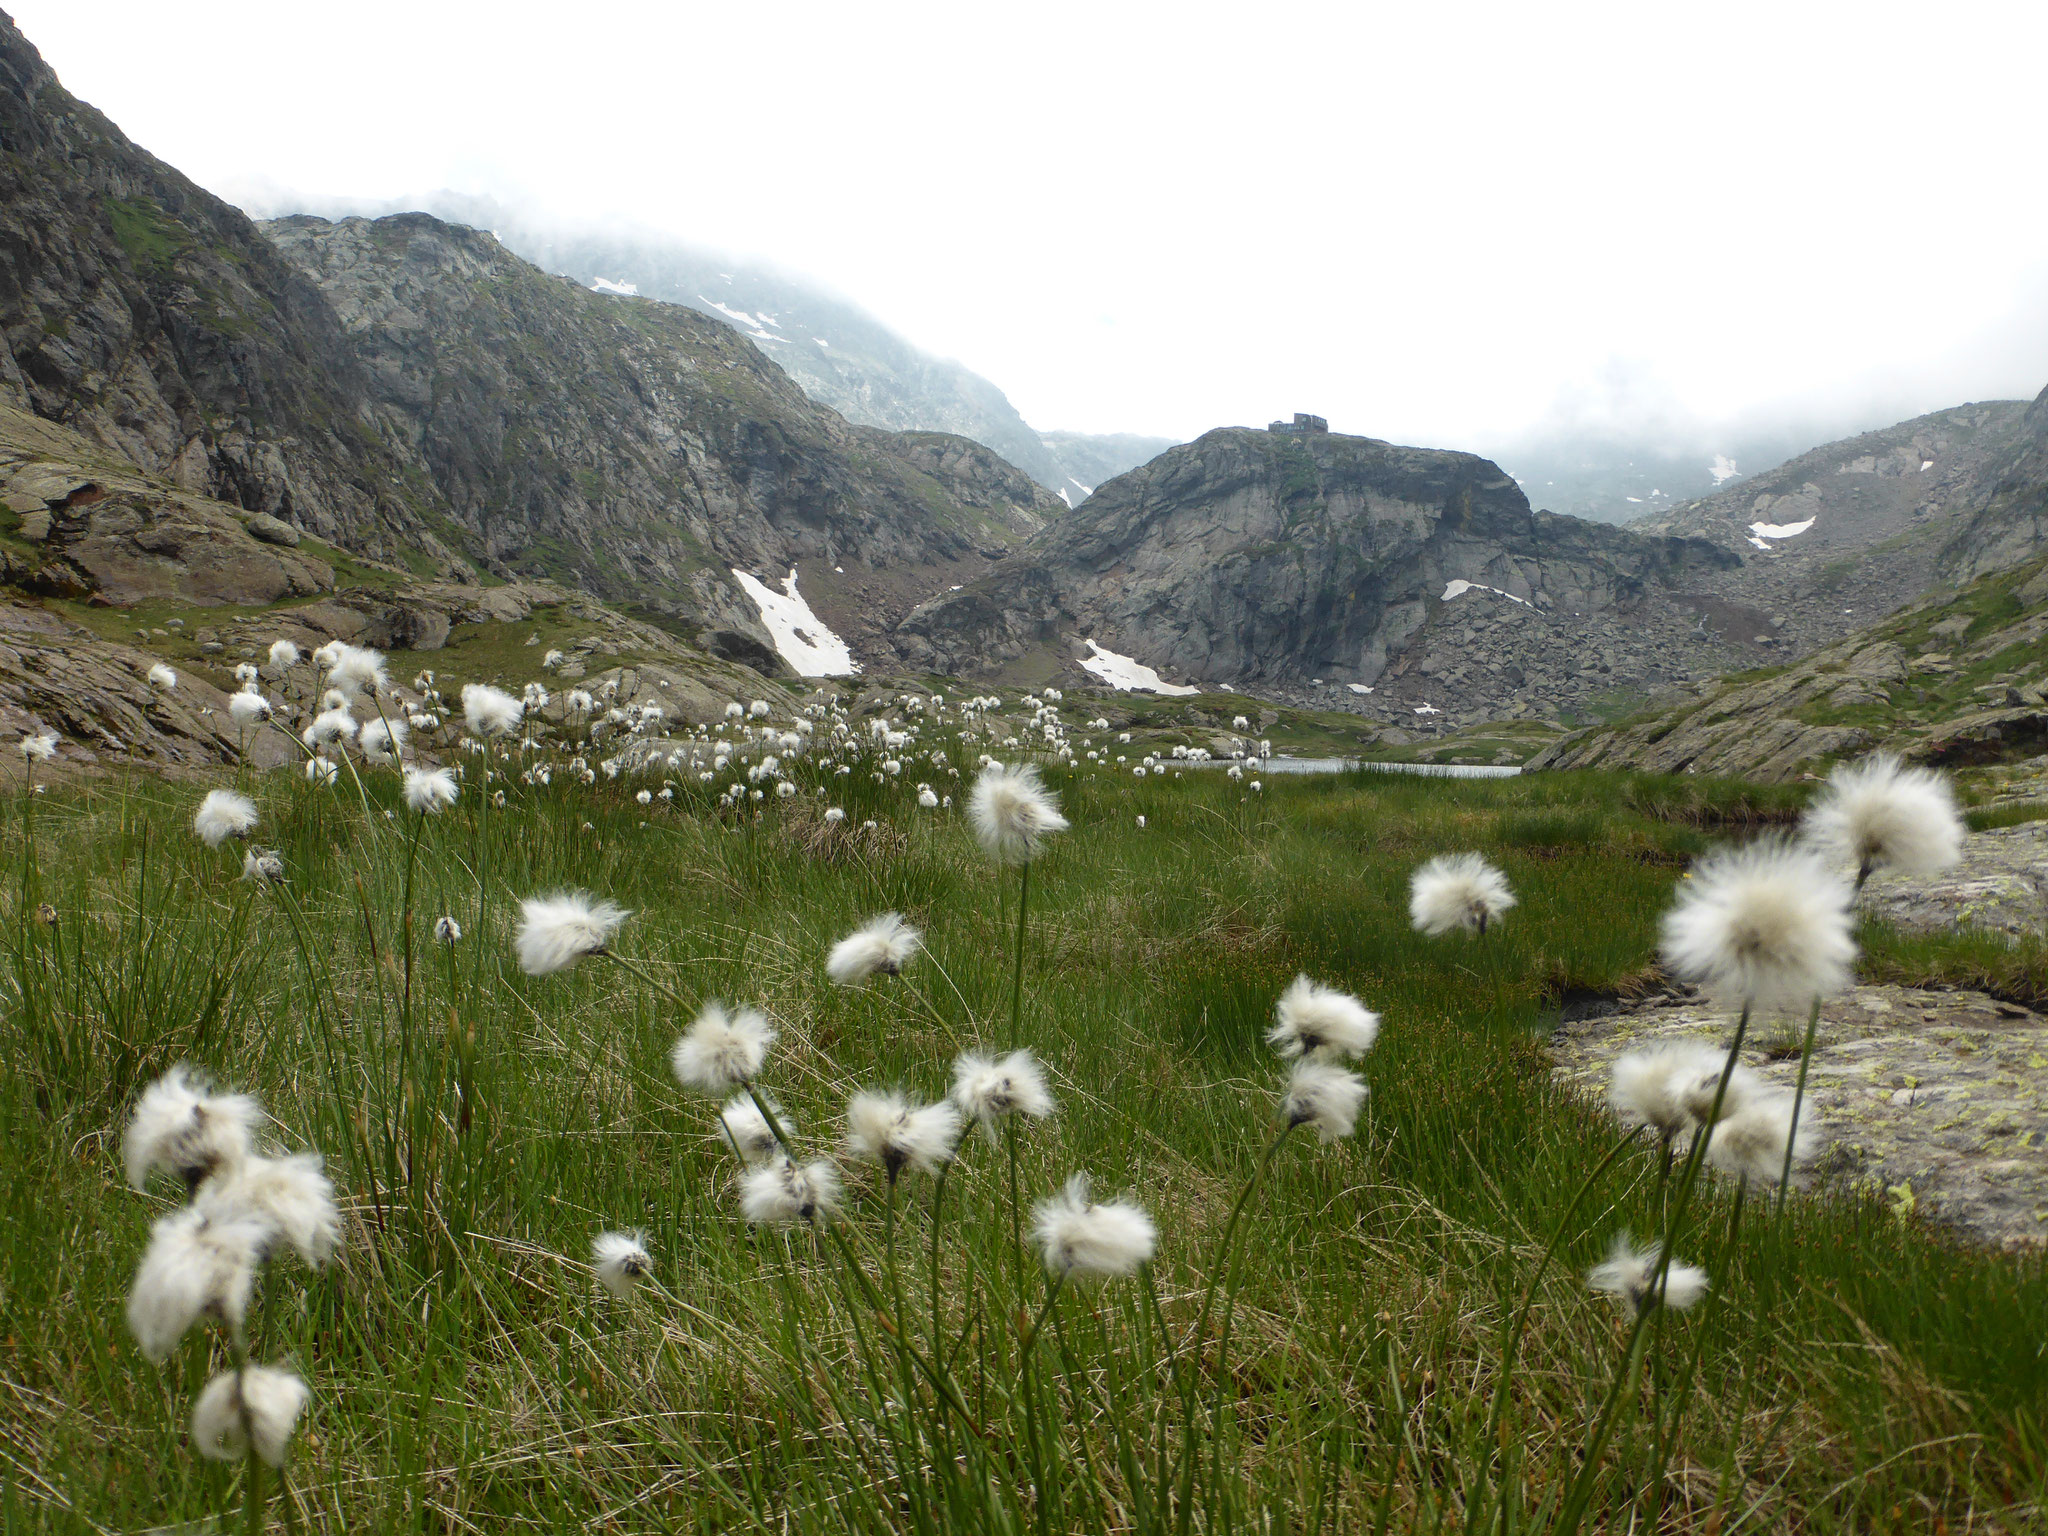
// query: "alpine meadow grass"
[[709, 1160]]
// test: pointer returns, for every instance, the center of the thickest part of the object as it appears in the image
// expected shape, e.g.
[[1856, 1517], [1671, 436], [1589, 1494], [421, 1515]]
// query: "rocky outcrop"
[[1272, 561], [1934, 1102]]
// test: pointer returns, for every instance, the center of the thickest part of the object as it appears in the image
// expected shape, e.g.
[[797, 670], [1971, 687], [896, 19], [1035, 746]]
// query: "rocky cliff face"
[[2008, 521], [155, 319], [1288, 562], [638, 449]]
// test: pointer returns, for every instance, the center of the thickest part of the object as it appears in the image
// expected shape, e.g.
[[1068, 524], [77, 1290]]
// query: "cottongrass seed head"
[[196, 1265], [263, 866], [430, 791], [1749, 1142], [745, 1129], [247, 708], [621, 1261], [283, 655], [161, 676], [1879, 814], [1012, 812], [1629, 1274], [1081, 1240], [1315, 1020], [292, 1196], [722, 1050], [224, 814], [274, 1398], [182, 1128], [1457, 890], [39, 746], [1764, 925], [356, 670], [447, 930], [1324, 1095], [881, 946], [883, 1128], [490, 711], [781, 1193], [556, 931], [381, 740], [991, 1088], [1654, 1085]]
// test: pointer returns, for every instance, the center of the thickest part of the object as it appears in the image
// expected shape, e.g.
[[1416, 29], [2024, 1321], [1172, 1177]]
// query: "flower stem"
[[1017, 979], [1798, 1098]]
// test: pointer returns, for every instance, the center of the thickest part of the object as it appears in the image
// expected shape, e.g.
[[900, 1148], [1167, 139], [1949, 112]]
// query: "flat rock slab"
[[2001, 884], [1936, 1100]]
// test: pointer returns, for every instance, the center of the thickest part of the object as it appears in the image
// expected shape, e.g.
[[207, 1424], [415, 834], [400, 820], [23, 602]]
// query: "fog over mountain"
[[1778, 225]]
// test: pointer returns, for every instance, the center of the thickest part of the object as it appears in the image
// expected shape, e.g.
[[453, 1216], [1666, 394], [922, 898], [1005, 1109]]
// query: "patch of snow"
[[1066, 498], [821, 341], [839, 569], [1086, 490], [751, 324], [1723, 468], [801, 638], [1926, 465], [1636, 499], [1128, 676], [1759, 543], [606, 285], [1359, 687], [1460, 588], [953, 588], [1778, 530], [1427, 709]]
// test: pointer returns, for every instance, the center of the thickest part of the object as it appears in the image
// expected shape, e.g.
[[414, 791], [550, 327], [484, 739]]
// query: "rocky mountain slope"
[[1395, 581], [637, 449], [1853, 530], [1957, 679], [2007, 521], [839, 354], [415, 393]]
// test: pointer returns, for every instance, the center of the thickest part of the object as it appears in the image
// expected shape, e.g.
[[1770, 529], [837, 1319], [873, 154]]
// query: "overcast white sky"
[[1439, 223]]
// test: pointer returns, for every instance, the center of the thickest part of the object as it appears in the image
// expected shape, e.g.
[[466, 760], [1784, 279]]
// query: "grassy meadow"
[[1848, 1372]]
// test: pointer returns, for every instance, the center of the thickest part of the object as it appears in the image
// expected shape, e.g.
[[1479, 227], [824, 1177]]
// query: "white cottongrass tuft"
[[621, 1261], [39, 746], [382, 741], [182, 1128], [833, 814], [881, 946], [1458, 890], [1878, 814], [263, 866], [291, 1196], [747, 1131], [195, 1266], [330, 727], [490, 711], [1748, 1142], [722, 1051], [248, 708], [1324, 1095], [1081, 1240], [1629, 1274], [556, 931], [447, 930], [161, 676], [989, 1088], [882, 1128], [224, 814], [1012, 812], [320, 771], [1315, 1020], [1766, 925], [1655, 1085], [781, 1192], [283, 655], [430, 791], [357, 670], [274, 1399]]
